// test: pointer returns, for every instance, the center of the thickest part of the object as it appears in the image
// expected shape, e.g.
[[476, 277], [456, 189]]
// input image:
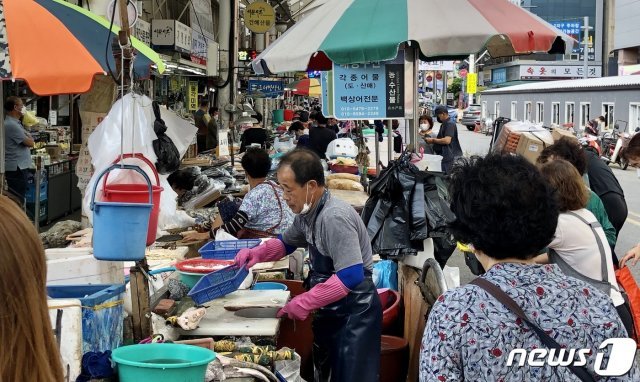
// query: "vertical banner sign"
[[326, 82], [394, 74], [369, 91], [193, 95], [472, 83]]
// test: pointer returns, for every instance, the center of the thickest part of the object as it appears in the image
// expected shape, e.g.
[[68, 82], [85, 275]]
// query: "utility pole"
[[472, 69], [585, 47]]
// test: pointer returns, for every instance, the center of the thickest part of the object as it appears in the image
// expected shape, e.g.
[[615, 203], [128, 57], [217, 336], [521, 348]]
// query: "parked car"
[[471, 116]]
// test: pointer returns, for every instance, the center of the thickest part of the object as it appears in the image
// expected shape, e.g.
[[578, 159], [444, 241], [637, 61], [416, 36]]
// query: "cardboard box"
[[531, 145], [558, 133]]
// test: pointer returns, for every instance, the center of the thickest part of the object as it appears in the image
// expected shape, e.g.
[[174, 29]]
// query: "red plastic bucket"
[[136, 193], [288, 115]]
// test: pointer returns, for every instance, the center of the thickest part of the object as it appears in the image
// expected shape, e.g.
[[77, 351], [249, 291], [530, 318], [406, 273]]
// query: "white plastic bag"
[[135, 126], [222, 235], [451, 276]]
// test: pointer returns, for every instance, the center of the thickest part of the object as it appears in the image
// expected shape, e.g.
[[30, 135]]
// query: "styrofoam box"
[[70, 335], [78, 266]]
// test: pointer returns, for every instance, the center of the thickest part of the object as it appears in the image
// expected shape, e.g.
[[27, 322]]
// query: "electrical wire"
[[108, 43], [110, 34]]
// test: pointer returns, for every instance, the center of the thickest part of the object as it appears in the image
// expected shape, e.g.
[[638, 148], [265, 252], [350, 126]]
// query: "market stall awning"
[[355, 31], [57, 47], [306, 87]]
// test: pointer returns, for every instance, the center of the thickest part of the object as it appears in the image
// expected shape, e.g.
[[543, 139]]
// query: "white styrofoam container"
[[78, 266], [70, 335]]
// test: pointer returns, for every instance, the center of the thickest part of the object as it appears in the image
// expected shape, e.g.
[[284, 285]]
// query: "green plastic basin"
[[162, 362]]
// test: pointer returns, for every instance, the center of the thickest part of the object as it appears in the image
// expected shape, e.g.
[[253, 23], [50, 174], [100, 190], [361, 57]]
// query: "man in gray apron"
[[348, 313]]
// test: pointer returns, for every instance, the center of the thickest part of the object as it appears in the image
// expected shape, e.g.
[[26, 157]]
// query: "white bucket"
[[434, 162]]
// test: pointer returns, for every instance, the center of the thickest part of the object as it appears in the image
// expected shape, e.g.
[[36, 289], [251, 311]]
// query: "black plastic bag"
[[166, 151], [439, 215], [395, 212]]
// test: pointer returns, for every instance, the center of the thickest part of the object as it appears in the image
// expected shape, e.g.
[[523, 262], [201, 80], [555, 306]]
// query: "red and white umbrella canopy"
[[354, 31]]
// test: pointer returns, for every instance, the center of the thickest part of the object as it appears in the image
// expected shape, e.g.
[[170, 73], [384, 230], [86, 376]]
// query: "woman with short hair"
[[580, 244], [263, 212], [507, 213]]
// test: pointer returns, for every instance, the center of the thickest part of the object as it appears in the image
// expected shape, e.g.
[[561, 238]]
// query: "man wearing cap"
[[446, 143]]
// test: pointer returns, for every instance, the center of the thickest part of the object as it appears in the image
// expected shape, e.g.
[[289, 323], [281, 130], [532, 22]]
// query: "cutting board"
[[221, 322]]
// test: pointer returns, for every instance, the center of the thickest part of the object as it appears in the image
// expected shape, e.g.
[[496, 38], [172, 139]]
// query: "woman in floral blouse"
[[507, 212]]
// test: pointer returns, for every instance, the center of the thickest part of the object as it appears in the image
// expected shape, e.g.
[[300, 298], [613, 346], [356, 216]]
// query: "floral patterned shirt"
[[470, 334], [263, 210]]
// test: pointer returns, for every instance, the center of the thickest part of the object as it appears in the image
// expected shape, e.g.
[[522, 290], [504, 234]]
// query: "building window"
[[634, 116], [527, 111], [496, 109], [569, 112], [514, 110], [484, 109], [540, 112], [555, 113], [607, 113], [585, 113]]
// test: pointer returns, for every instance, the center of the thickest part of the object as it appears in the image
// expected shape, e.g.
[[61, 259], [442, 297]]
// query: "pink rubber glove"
[[272, 250], [320, 295]]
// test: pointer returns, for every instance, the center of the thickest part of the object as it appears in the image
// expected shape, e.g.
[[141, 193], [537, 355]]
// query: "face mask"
[[439, 119], [307, 206], [424, 126], [638, 172]]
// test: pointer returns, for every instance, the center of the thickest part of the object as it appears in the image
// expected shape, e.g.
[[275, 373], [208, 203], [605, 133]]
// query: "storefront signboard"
[[198, 48], [270, 89], [193, 95], [259, 17], [530, 72], [369, 91]]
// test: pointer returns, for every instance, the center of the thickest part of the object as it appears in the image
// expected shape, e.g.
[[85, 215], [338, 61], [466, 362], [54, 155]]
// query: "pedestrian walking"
[[201, 119]]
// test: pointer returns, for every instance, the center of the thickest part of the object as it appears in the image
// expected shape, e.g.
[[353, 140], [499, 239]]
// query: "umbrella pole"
[[2, 138], [414, 124], [390, 142], [141, 302]]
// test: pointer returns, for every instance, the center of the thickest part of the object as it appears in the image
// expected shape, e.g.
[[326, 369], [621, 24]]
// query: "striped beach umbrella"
[[355, 31], [306, 87], [57, 47]]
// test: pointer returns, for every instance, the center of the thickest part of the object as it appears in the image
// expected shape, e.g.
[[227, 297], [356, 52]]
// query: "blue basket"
[[217, 284], [226, 249]]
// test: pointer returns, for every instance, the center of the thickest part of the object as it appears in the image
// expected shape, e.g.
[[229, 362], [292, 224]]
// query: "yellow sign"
[[472, 83], [193, 96], [259, 17]]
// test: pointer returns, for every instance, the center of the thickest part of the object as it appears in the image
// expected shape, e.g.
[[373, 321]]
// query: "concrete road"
[[478, 144]]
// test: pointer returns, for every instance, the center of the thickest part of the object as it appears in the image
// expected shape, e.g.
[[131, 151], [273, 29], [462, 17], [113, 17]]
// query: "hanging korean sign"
[[259, 17], [193, 95], [472, 83], [269, 89], [370, 91]]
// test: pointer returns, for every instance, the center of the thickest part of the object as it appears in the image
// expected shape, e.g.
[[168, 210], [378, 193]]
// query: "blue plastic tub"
[[268, 285], [217, 284], [120, 229], [226, 249], [162, 362], [102, 313]]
